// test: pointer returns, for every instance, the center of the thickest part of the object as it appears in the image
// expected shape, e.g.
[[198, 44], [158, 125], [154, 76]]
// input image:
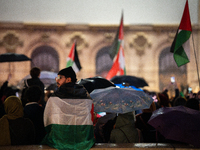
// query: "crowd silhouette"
[[22, 119]]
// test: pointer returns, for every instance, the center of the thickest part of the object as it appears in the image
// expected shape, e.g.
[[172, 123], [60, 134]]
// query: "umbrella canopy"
[[95, 83], [47, 77], [131, 80], [177, 123], [119, 100], [13, 57]]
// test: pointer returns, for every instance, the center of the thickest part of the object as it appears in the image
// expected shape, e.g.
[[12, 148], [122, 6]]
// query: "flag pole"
[[196, 59]]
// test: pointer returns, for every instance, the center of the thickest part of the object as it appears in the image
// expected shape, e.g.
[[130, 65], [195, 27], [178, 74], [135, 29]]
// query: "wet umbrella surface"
[[119, 100], [177, 123]]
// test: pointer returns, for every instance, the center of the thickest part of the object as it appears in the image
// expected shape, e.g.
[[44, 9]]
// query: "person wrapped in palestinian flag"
[[68, 115]]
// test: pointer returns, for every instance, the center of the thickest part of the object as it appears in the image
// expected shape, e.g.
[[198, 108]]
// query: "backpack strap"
[[26, 83]]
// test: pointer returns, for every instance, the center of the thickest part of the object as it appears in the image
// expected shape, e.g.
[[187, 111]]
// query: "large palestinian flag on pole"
[[68, 123], [118, 67], [181, 42], [119, 39], [73, 60]]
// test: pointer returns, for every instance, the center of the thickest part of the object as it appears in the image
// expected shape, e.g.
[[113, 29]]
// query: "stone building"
[[146, 49]]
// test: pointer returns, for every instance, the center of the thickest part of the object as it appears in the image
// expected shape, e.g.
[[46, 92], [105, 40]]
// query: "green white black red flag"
[[73, 60], [181, 42]]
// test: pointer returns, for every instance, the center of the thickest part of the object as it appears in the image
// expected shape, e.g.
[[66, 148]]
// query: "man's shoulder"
[[72, 91], [35, 81]]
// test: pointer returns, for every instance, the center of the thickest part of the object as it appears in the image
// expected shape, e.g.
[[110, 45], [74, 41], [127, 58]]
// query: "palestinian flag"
[[119, 39], [118, 67], [73, 60], [68, 123], [181, 41]]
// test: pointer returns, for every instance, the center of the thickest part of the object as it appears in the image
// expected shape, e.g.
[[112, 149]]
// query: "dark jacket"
[[72, 90], [125, 131], [21, 131], [35, 81], [31, 82], [35, 113]]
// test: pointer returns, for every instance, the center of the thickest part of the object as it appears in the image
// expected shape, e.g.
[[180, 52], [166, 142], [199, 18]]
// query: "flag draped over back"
[[119, 38], [68, 123], [73, 60], [118, 67], [181, 41]]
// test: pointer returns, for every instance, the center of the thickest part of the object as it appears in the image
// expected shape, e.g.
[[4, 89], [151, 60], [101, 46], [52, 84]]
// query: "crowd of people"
[[106, 127], [67, 121]]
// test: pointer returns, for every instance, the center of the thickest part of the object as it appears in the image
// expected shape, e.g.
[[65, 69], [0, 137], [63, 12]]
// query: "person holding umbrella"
[[5, 92], [4, 86]]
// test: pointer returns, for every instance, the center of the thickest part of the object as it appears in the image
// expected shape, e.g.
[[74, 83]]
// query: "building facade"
[[146, 49]]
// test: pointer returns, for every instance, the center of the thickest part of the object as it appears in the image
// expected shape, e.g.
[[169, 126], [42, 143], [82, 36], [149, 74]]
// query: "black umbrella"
[[13, 57], [131, 80], [95, 83]]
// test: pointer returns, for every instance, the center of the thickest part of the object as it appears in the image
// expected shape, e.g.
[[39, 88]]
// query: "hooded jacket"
[[125, 131]]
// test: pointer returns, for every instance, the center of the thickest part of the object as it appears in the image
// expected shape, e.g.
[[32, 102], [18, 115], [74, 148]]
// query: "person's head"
[[179, 101], [13, 107], [8, 91], [33, 94], [194, 95], [193, 103], [163, 100], [66, 75], [198, 95], [35, 72]]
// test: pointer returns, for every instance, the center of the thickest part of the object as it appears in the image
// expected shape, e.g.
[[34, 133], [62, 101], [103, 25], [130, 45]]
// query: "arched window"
[[46, 58], [168, 68], [103, 62]]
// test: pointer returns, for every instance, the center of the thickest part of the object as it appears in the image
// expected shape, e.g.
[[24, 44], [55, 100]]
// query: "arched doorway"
[[103, 62], [168, 69], [46, 58]]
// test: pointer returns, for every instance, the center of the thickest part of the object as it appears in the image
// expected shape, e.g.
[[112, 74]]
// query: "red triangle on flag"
[[185, 21], [118, 67]]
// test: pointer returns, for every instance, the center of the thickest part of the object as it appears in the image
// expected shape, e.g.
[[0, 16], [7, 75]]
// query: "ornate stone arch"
[[46, 58], [47, 53], [103, 62]]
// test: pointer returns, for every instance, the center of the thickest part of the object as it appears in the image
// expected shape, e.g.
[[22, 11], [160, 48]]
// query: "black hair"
[[179, 101], [35, 72], [193, 103], [33, 93]]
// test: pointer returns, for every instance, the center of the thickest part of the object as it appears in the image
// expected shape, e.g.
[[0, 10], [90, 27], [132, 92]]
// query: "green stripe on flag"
[[179, 52], [70, 63], [182, 37], [78, 137], [180, 57]]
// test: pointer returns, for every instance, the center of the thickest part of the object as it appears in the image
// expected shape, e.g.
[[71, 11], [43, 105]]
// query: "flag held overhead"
[[118, 40], [73, 60], [118, 67], [181, 41]]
